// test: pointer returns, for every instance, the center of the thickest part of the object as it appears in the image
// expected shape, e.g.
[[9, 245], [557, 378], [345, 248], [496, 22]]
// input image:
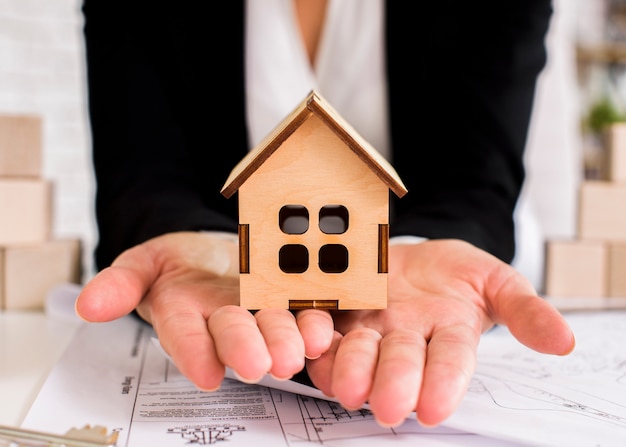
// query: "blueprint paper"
[[574, 400], [113, 374]]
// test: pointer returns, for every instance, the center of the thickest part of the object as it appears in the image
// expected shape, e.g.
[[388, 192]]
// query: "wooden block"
[[617, 270], [616, 168], [20, 146], [29, 272], [2, 278], [602, 211], [25, 211], [576, 268]]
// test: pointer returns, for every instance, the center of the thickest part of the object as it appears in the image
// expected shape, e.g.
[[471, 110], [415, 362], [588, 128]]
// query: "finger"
[[239, 343], [538, 325], [185, 337], [111, 294], [532, 320], [316, 327], [283, 341], [320, 370], [116, 290], [450, 364], [355, 364], [398, 377]]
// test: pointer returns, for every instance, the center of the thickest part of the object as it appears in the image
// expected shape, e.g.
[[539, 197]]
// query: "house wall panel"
[[296, 175]]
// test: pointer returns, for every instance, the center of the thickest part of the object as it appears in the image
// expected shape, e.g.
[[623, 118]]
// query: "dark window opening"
[[293, 258], [293, 219], [334, 219], [333, 258]]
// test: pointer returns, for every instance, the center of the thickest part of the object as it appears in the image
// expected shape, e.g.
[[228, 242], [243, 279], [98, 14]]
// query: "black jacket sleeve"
[[462, 79], [167, 117]]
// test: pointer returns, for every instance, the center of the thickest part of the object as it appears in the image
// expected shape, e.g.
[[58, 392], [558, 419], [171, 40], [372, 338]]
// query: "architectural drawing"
[[206, 434], [582, 395], [244, 414], [115, 376]]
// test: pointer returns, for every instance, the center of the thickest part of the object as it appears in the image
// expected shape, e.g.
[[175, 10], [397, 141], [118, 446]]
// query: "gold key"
[[88, 436]]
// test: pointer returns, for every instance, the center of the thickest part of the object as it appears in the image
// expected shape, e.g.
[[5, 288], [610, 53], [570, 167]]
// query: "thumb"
[[117, 290], [540, 326], [531, 319]]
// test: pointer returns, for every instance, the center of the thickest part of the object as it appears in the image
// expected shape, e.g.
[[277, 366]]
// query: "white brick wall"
[[42, 72], [548, 205]]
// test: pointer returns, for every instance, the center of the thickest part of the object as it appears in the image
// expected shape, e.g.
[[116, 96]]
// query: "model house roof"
[[314, 104]]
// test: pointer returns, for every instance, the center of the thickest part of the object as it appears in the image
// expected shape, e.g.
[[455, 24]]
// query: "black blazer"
[[167, 110]]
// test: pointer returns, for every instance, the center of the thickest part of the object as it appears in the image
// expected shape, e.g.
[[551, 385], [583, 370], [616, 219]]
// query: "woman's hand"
[[187, 286], [420, 353]]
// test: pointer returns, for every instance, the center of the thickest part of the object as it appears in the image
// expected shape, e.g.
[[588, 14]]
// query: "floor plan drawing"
[[206, 434], [583, 395], [116, 376], [255, 415]]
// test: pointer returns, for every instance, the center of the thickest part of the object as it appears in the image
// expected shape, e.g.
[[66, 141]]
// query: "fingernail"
[[389, 424], [244, 380], [280, 379]]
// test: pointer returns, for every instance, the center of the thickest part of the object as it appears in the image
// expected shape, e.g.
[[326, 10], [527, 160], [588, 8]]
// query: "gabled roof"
[[314, 104]]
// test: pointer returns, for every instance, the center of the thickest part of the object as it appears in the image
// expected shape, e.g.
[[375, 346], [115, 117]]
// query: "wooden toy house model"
[[313, 202]]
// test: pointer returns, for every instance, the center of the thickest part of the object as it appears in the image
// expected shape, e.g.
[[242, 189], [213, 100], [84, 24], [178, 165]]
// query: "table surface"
[[32, 342], [30, 345]]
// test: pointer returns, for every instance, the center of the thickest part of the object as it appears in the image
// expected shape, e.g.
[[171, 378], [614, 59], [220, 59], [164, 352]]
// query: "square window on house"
[[293, 258], [333, 258], [334, 219], [293, 219]]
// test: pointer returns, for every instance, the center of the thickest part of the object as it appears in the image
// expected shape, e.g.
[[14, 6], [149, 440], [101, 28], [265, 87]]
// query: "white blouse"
[[349, 70]]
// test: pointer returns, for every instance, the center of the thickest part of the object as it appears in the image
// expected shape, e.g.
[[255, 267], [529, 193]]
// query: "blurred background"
[[581, 90], [42, 72]]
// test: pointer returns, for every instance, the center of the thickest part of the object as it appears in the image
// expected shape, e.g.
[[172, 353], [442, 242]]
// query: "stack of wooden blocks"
[[593, 265], [32, 262]]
